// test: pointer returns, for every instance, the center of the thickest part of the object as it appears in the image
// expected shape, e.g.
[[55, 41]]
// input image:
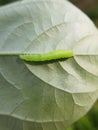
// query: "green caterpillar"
[[53, 55]]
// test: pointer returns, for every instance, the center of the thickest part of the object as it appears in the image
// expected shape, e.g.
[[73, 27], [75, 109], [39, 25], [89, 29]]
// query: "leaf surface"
[[49, 95]]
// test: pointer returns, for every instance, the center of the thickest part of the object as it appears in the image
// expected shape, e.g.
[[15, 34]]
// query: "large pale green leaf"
[[48, 96]]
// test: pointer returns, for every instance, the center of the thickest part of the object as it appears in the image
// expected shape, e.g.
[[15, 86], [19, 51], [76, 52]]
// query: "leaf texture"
[[48, 96]]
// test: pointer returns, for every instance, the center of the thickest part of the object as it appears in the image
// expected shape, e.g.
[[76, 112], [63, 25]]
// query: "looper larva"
[[53, 55]]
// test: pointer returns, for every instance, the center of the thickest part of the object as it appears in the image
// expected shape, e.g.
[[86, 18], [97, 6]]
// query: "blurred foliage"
[[88, 122], [3, 2], [90, 7]]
